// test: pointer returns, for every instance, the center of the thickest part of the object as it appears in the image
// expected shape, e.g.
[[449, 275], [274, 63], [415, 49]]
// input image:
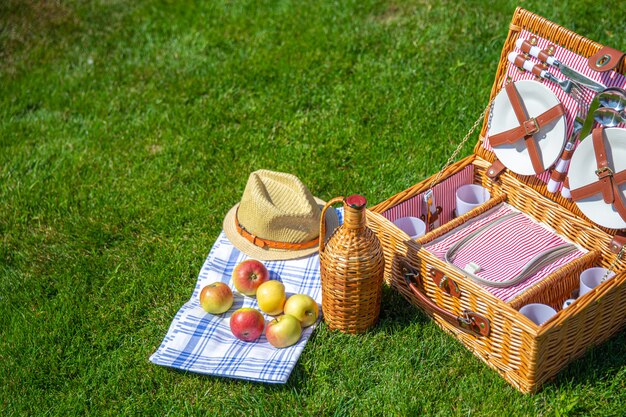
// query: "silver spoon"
[[614, 98], [608, 117]]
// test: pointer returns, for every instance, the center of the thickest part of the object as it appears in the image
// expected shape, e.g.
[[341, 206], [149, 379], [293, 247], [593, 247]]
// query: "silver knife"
[[574, 75]]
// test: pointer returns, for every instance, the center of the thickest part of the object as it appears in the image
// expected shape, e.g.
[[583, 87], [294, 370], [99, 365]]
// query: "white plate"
[[582, 171], [537, 98]]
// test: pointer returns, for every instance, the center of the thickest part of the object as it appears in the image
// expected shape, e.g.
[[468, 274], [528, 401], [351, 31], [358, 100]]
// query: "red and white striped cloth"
[[444, 194], [503, 250], [572, 60]]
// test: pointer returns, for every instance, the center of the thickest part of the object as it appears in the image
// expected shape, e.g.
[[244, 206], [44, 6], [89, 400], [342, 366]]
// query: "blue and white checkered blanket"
[[201, 342]]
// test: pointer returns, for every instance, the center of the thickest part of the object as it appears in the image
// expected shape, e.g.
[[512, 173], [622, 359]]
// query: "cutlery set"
[[574, 75]]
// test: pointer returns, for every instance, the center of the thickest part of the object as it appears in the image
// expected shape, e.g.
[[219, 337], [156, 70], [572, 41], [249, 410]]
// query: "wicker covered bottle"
[[352, 266]]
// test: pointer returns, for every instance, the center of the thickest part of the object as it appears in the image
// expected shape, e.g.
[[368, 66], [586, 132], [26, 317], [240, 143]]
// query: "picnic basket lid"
[[557, 35]]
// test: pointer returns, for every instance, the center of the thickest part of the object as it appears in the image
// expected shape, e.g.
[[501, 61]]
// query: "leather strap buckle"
[[257, 241], [475, 323], [530, 126], [604, 172], [606, 59], [444, 283]]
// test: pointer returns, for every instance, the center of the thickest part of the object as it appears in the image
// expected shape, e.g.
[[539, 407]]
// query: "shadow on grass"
[[31, 22], [396, 312], [396, 315], [599, 363]]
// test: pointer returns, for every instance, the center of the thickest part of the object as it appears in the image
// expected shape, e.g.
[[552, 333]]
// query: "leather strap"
[[606, 59], [536, 69], [527, 128], [495, 170], [519, 61], [618, 242], [604, 174], [558, 176], [265, 243], [543, 55], [608, 182], [470, 322]]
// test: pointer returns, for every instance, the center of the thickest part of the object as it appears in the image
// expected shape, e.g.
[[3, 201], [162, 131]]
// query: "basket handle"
[[323, 221], [470, 322]]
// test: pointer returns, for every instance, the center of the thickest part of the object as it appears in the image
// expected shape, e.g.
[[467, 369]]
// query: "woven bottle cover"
[[352, 267]]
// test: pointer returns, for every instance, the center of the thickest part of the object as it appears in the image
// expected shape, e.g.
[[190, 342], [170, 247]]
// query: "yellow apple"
[[302, 307], [283, 331], [271, 297]]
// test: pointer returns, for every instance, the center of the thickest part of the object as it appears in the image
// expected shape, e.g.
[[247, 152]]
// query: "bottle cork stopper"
[[356, 201]]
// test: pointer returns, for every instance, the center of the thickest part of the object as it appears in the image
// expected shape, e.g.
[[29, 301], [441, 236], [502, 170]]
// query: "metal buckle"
[[530, 126], [603, 60], [257, 241], [475, 323], [604, 172]]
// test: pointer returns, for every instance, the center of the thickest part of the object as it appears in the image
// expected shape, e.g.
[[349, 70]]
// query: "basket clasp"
[[445, 283]]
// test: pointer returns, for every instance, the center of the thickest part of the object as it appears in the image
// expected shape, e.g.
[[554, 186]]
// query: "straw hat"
[[277, 218]]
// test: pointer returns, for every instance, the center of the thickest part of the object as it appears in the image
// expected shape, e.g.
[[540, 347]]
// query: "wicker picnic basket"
[[525, 354]]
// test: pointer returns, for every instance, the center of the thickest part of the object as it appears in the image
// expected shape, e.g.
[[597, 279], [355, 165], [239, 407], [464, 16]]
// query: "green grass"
[[128, 129]]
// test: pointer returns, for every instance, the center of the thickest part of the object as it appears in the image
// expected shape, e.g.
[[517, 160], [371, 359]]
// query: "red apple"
[[249, 275], [247, 324], [302, 307], [216, 298], [283, 331]]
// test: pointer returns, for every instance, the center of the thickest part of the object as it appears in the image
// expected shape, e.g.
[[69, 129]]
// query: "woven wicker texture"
[[277, 206], [525, 354], [352, 267]]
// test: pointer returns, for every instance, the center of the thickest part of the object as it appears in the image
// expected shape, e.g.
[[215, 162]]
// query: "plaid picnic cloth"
[[203, 343]]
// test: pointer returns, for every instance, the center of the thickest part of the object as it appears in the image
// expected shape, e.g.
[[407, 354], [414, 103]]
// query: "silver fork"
[[583, 97], [560, 169], [566, 85]]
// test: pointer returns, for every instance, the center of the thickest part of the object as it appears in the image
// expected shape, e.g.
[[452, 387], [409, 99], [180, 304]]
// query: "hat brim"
[[269, 254]]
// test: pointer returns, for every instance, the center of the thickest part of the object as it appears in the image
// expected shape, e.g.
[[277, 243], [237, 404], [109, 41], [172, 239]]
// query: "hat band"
[[264, 243]]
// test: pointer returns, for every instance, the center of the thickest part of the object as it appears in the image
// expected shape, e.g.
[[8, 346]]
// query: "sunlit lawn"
[[129, 128]]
